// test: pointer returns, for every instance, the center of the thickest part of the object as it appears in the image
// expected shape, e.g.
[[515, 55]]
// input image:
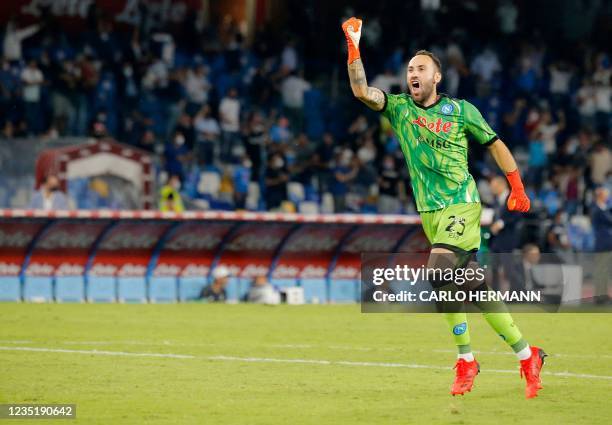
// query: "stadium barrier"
[[150, 256]]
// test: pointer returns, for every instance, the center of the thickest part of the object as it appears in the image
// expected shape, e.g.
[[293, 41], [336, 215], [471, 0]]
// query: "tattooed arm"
[[374, 98], [371, 96]]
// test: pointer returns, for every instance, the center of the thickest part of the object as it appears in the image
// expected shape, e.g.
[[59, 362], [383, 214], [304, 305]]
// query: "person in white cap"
[[215, 292]]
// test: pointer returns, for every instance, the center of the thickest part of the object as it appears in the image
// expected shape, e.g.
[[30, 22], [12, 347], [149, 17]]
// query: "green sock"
[[458, 325], [503, 324]]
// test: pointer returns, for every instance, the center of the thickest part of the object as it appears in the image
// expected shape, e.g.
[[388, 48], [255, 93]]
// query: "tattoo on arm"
[[371, 96]]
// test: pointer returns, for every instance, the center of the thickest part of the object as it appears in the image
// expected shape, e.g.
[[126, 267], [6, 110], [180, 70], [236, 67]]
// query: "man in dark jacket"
[[601, 219], [505, 232]]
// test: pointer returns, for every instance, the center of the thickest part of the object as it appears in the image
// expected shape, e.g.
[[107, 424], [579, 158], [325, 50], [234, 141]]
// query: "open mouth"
[[415, 85]]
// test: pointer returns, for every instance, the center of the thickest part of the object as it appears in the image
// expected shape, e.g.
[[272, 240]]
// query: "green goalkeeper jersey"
[[434, 141]]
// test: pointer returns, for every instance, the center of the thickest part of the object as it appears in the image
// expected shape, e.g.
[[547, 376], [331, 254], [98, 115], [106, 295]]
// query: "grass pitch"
[[247, 364]]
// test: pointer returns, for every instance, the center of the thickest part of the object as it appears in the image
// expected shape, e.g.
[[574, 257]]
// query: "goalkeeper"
[[433, 130]]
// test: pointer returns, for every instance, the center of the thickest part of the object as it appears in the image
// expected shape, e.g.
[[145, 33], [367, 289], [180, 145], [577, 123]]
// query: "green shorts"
[[456, 226]]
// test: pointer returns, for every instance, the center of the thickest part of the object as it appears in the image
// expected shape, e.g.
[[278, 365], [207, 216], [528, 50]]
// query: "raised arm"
[[518, 199], [371, 96]]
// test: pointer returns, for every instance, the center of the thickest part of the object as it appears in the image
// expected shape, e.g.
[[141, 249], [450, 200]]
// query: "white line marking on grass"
[[98, 352], [394, 365], [286, 361], [301, 346]]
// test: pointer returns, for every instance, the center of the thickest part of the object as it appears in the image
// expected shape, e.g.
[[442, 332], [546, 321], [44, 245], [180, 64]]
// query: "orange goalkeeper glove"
[[352, 32], [518, 200]]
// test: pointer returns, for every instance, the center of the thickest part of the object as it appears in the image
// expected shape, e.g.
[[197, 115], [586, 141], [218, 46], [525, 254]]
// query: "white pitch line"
[[286, 361], [302, 346], [393, 365], [98, 352]]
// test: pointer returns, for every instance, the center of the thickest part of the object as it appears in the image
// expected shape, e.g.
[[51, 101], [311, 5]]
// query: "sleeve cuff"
[[385, 104], [490, 142]]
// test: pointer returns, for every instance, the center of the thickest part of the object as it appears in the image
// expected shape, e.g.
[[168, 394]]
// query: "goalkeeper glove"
[[518, 200], [352, 32]]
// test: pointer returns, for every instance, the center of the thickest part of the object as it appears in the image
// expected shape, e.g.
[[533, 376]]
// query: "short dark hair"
[[433, 57]]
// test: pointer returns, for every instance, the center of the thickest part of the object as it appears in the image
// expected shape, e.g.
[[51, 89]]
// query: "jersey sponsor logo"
[[456, 228], [435, 143], [447, 109], [435, 126], [460, 328]]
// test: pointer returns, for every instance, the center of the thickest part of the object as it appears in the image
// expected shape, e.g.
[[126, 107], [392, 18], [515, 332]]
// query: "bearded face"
[[422, 76]]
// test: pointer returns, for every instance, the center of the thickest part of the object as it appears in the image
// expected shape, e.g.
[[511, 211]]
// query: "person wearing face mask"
[[276, 181], [50, 196], [170, 196], [176, 154]]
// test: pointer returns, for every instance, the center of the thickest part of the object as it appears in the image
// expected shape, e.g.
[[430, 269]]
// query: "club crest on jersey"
[[447, 109], [436, 126]]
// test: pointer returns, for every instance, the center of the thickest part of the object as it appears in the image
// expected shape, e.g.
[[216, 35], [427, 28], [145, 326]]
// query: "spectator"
[[241, 179], [301, 169], [170, 198], [391, 188], [280, 132], [344, 172], [276, 181], [197, 85], [587, 102], [505, 232], [289, 58], [293, 88], [50, 196], [229, 115], [255, 141], [601, 216], [386, 81], [262, 292], [176, 155], [216, 292], [486, 65], [32, 79], [548, 131], [557, 237], [208, 133], [323, 162], [13, 38], [601, 163], [603, 105], [507, 14]]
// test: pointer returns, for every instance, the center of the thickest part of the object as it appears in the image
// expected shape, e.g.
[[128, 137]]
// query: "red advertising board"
[[64, 248], [191, 248], [126, 250], [251, 248], [15, 237], [366, 239], [308, 252]]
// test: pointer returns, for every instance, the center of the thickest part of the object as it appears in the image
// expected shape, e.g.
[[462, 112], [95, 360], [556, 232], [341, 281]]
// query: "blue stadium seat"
[[314, 289], [162, 289], [38, 288], [101, 289], [190, 287], [69, 289], [344, 290], [132, 289], [10, 288]]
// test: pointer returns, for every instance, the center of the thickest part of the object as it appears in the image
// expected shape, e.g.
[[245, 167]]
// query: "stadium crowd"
[[277, 125]]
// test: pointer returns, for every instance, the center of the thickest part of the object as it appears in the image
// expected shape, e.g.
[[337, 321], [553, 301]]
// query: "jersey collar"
[[440, 97]]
